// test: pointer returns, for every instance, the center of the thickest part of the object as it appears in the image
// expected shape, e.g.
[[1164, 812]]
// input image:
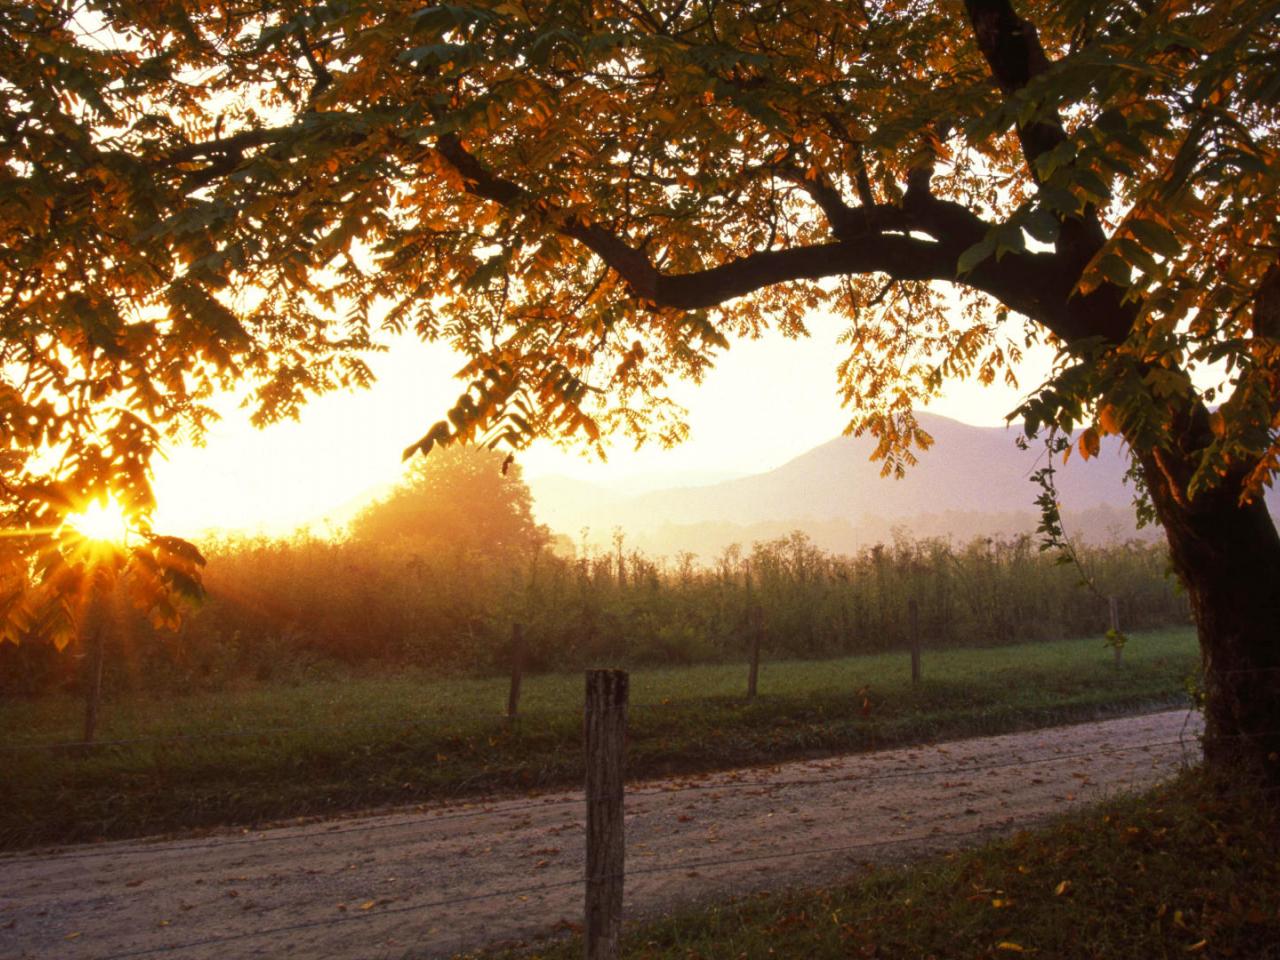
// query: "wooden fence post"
[[1117, 643], [517, 670], [757, 637], [604, 734], [913, 614], [93, 692], [96, 626]]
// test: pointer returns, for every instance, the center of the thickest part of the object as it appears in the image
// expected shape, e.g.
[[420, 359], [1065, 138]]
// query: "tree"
[[461, 498], [590, 198]]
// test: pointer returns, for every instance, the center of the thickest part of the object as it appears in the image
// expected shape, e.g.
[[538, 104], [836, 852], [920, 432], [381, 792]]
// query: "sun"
[[103, 521]]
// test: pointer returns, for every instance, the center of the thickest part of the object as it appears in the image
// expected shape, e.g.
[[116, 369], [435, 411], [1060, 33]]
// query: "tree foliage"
[[592, 198], [581, 196], [460, 500]]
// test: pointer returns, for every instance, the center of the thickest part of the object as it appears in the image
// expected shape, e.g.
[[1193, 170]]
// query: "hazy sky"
[[766, 402]]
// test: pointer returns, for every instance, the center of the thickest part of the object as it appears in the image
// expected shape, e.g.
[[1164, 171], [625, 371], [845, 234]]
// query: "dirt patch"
[[432, 882]]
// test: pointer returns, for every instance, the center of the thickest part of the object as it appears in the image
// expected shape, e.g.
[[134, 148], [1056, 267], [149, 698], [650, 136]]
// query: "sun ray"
[[103, 520]]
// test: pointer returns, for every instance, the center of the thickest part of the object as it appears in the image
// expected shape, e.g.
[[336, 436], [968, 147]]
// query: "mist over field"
[[974, 482]]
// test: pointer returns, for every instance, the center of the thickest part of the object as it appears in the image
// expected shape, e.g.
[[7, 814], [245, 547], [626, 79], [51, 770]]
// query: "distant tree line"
[[436, 575]]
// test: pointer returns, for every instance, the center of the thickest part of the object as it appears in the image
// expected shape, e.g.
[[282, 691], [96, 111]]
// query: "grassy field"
[[274, 752], [1183, 871]]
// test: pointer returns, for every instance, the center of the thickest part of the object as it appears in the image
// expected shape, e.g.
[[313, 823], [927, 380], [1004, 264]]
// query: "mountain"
[[974, 481]]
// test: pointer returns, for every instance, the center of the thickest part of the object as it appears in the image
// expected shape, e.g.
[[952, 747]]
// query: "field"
[[306, 610], [272, 751]]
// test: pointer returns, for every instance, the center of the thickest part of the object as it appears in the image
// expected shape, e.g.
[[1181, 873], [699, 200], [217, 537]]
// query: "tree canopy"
[[589, 199], [459, 499]]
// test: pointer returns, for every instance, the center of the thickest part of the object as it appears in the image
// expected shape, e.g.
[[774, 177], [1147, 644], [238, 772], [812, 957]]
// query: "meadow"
[[268, 750], [305, 610]]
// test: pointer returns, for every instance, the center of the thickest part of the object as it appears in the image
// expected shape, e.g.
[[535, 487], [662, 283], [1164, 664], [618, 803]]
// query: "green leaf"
[[1092, 184], [1009, 239], [1116, 270], [973, 256], [1042, 225], [1155, 237], [1056, 198], [1137, 255]]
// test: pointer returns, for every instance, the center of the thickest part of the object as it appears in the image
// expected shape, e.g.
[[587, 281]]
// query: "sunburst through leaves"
[[103, 521]]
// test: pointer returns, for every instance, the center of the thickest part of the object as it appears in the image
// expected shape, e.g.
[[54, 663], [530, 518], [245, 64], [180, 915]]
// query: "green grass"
[[1183, 871], [322, 748]]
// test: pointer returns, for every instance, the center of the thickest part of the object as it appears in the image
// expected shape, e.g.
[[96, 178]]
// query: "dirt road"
[[425, 883]]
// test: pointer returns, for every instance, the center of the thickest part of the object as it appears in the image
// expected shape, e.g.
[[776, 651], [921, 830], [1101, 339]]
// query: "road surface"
[[432, 882]]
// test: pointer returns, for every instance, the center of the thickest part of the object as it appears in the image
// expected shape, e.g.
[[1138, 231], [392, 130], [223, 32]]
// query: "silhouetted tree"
[[458, 498]]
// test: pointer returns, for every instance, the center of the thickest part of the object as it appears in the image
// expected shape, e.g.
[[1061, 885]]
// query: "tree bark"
[[1227, 555]]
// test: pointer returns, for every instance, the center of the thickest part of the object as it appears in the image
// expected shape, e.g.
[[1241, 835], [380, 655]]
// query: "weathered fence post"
[[1116, 637], [517, 670], [95, 630], [757, 638], [913, 614], [93, 692], [604, 734]]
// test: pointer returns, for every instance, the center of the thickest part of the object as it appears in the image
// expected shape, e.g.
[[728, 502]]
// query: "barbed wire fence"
[[757, 635]]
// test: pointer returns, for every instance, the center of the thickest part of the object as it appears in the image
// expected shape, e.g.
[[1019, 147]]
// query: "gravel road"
[[431, 882]]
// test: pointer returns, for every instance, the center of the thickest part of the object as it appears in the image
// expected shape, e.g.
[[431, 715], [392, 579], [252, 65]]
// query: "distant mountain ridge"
[[973, 481]]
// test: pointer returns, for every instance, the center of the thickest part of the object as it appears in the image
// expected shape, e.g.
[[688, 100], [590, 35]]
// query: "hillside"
[[973, 481]]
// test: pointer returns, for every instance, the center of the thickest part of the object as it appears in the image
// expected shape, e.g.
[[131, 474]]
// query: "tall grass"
[[308, 609]]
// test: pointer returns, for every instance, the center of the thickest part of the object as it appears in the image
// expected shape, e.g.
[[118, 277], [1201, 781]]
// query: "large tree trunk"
[[1228, 558]]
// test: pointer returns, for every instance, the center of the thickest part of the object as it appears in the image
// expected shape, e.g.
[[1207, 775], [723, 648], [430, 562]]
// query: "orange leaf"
[[1109, 419], [1089, 444]]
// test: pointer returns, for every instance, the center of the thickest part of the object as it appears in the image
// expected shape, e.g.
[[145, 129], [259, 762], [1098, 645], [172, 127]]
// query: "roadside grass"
[[274, 752], [1182, 871]]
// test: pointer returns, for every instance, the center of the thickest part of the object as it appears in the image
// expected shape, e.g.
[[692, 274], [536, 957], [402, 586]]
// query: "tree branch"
[[321, 77], [1015, 55], [232, 146], [878, 239], [822, 192]]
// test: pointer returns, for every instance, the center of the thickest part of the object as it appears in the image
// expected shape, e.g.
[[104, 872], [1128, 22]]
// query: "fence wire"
[[404, 724], [576, 799]]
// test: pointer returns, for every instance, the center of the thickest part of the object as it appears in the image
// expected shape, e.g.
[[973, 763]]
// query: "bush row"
[[281, 610]]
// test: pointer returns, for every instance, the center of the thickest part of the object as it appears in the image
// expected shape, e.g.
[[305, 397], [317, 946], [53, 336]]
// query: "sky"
[[766, 402]]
